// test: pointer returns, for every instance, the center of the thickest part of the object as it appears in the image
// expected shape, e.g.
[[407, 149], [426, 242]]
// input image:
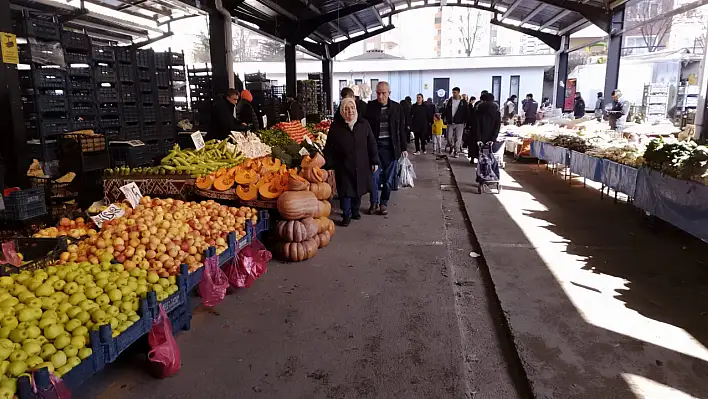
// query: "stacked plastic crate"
[[165, 117], [43, 85], [200, 95], [148, 93], [80, 87], [128, 94], [107, 93], [178, 76]]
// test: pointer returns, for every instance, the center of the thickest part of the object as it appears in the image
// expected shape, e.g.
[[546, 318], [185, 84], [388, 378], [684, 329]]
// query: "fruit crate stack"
[[201, 95], [259, 86], [311, 94], [108, 98], [80, 87], [149, 92], [171, 80], [83, 153], [320, 94], [128, 94], [43, 85]]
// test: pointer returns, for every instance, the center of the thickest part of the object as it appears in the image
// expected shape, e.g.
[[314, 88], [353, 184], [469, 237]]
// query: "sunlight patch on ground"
[[592, 294], [650, 389]]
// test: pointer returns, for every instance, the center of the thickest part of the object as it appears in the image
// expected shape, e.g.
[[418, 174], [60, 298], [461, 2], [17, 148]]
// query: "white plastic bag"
[[407, 174]]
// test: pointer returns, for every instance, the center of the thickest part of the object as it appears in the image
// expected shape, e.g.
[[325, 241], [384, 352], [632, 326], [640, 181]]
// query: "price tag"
[[132, 193], [112, 212], [198, 140]]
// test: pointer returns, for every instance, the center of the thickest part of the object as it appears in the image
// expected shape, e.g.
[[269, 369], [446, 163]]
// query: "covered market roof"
[[325, 22]]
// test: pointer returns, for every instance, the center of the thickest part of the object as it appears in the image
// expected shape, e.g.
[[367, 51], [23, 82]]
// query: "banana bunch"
[[212, 157]]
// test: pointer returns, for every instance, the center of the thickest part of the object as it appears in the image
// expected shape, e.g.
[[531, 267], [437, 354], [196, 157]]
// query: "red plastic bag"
[[164, 352], [214, 283], [9, 253], [58, 389], [250, 263]]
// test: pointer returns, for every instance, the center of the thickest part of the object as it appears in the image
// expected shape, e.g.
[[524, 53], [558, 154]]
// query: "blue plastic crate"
[[112, 347]]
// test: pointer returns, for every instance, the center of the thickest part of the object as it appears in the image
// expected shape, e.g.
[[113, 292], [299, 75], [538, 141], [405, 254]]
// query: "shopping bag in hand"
[[165, 352], [57, 387], [407, 173], [214, 283], [250, 263]]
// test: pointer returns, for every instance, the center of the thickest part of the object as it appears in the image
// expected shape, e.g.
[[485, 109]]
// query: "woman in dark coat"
[[487, 122], [351, 151], [420, 124]]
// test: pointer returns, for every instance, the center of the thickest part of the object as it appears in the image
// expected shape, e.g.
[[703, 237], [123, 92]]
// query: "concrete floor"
[[395, 307], [599, 305]]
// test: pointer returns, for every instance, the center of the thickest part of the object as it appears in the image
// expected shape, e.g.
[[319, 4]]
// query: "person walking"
[[618, 111], [578, 106], [488, 120], [509, 109], [455, 117], [351, 152], [406, 104], [347, 92], [245, 112], [223, 116], [437, 131], [419, 124], [530, 108], [388, 126], [295, 111], [599, 107]]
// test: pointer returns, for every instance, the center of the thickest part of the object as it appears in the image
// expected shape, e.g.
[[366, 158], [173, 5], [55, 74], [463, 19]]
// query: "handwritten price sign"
[[132, 194], [198, 140], [112, 212]]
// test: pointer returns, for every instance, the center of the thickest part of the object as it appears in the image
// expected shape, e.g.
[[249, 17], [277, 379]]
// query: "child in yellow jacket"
[[438, 127]]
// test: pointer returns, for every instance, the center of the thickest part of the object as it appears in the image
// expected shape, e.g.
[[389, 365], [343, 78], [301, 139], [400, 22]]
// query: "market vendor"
[[245, 113], [617, 111], [223, 119], [351, 151], [295, 111]]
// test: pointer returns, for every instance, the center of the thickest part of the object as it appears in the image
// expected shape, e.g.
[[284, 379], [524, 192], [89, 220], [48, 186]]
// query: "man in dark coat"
[[530, 108], [351, 152], [487, 122], [419, 123], [431, 115], [245, 112], [223, 121], [578, 106], [388, 123], [295, 111], [406, 105]]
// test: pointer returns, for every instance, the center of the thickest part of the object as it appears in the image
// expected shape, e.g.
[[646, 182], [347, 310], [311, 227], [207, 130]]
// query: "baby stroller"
[[487, 167]]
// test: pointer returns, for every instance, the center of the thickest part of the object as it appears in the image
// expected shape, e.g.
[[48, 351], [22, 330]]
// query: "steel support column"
[[217, 50], [13, 151], [701, 119], [327, 78], [561, 73], [614, 52], [290, 69]]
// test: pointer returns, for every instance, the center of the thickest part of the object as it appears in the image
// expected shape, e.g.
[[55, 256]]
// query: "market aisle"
[[378, 314], [599, 306]]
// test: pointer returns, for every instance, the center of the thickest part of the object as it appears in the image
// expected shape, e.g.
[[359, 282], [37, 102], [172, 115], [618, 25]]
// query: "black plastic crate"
[[178, 75], [167, 131], [177, 59], [128, 93], [126, 155], [145, 75], [103, 53], [49, 127], [104, 73], [48, 78], [180, 91], [126, 73], [149, 114], [110, 133], [163, 97], [24, 204], [152, 150], [39, 26], [76, 41], [109, 120], [147, 87], [255, 77], [83, 123], [72, 57], [162, 79], [84, 143], [124, 55], [109, 110], [162, 60], [166, 113], [150, 132], [82, 96], [80, 72], [107, 95], [48, 152], [131, 113], [143, 58], [80, 84], [50, 103], [130, 131], [83, 108], [258, 86]]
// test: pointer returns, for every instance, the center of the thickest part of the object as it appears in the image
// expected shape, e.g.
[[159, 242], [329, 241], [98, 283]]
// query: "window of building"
[[514, 81], [342, 84], [638, 44], [374, 82], [496, 88], [357, 81]]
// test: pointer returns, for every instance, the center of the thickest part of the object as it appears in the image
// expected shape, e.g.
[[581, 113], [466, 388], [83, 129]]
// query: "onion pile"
[[159, 235]]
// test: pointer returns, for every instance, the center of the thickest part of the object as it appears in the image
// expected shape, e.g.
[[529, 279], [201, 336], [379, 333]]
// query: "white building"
[[504, 75]]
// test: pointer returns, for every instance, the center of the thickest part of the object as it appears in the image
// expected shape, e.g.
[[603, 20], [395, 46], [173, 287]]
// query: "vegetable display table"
[[619, 177], [172, 186], [586, 166], [230, 195]]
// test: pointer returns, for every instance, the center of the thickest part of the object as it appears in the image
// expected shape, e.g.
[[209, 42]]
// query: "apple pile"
[[73, 228], [161, 234], [46, 315]]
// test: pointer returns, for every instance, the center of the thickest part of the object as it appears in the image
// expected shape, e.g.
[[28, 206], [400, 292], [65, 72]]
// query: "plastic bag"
[[9, 254], [56, 389], [164, 352], [214, 283], [407, 174], [250, 263]]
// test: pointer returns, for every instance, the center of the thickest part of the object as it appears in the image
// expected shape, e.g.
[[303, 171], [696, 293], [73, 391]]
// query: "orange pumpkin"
[[324, 209], [314, 174], [323, 239], [247, 193], [246, 177], [294, 205], [224, 182], [270, 190], [297, 183], [297, 251], [205, 182], [323, 191], [272, 165], [305, 161]]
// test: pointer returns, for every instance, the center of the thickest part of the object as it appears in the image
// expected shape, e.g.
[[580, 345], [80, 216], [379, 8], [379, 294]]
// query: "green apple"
[[18, 367], [51, 280], [63, 369], [83, 316], [63, 318], [10, 383], [3, 367], [6, 281], [50, 314], [52, 270], [60, 297], [43, 290], [17, 289], [33, 285], [81, 279], [70, 350], [61, 273], [81, 331], [122, 317], [99, 316], [73, 361], [72, 324], [18, 335], [18, 355], [73, 311], [64, 307], [31, 347], [114, 323], [88, 305], [33, 332], [9, 302], [134, 318], [77, 298], [58, 359], [27, 314], [71, 277], [93, 292], [103, 299], [153, 277], [49, 304], [24, 296], [53, 330], [62, 341], [89, 324], [84, 353], [46, 322], [113, 311], [59, 284], [110, 286], [71, 288], [79, 341], [9, 321], [42, 340], [47, 351], [33, 361]]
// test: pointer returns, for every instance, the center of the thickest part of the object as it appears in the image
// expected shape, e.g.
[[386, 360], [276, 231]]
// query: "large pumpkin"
[[294, 205], [315, 174], [297, 251], [323, 191], [325, 224], [323, 239], [324, 208], [297, 230], [317, 161], [224, 182], [297, 183], [247, 193]]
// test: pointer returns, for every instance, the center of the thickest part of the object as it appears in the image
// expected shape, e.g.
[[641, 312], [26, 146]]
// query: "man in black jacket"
[[388, 123], [223, 120], [455, 117]]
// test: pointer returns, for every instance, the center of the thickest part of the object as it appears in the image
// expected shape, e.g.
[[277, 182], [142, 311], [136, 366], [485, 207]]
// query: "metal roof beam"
[[343, 12], [558, 17], [79, 12], [395, 11], [596, 15], [553, 41], [582, 23], [277, 8], [509, 10], [331, 24], [152, 40], [335, 48], [533, 13]]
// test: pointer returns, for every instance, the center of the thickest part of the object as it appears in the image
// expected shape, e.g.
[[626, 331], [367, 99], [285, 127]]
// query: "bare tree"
[[243, 52], [654, 33], [471, 27], [498, 50], [201, 52]]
